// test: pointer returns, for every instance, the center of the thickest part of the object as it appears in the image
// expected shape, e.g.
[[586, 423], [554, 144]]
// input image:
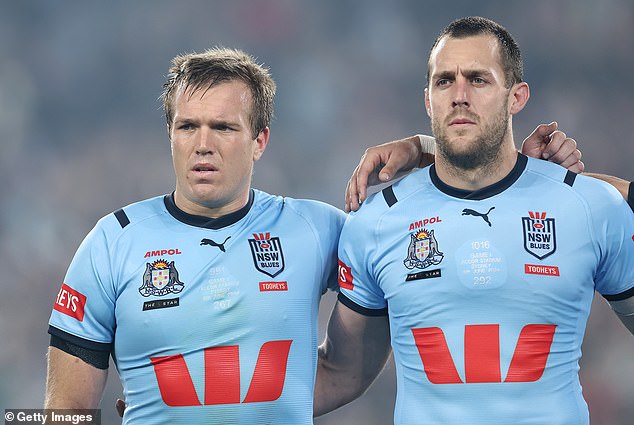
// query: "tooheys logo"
[[482, 354], [345, 276], [222, 376], [70, 302]]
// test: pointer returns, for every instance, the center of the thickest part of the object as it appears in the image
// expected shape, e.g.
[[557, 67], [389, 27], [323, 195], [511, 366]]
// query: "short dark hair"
[[511, 56], [194, 71]]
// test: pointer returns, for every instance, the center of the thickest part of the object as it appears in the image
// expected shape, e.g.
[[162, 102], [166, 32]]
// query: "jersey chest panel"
[[211, 302], [470, 282]]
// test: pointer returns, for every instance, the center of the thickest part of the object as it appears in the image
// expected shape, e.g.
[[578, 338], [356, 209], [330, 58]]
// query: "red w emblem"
[[222, 376], [482, 354]]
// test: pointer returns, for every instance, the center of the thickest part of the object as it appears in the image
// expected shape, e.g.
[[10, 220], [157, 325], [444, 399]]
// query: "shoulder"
[[128, 217], [596, 195], [311, 210], [391, 198]]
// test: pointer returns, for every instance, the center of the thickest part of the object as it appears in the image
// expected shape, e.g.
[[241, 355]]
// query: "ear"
[[520, 93], [260, 143], [427, 104]]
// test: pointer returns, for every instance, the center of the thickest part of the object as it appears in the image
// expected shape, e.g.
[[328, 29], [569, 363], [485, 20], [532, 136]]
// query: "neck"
[[477, 178], [209, 209]]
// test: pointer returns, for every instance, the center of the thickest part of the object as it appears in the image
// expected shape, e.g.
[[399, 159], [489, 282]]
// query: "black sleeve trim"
[[570, 178], [630, 195], [96, 358], [620, 297], [91, 352], [81, 342], [122, 218], [390, 197], [361, 310]]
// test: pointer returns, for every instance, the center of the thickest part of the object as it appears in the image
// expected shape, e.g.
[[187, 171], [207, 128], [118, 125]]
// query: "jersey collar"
[[485, 192], [206, 222]]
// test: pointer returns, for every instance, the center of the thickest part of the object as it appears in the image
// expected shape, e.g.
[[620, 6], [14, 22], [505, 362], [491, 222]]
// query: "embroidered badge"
[[160, 278], [539, 234], [423, 250], [268, 257]]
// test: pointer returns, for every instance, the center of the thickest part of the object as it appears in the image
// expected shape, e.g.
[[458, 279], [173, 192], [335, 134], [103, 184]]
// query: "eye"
[[186, 126], [478, 80], [223, 127], [442, 82]]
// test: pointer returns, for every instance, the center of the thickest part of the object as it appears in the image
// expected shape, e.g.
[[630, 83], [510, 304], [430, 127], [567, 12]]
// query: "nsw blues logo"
[[423, 250], [160, 278], [268, 257], [539, 234]]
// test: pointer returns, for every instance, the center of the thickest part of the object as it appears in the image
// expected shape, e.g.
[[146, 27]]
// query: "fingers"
[[352, 201], [364, 174], [559, 147], [544, 130], [563, 150], [536, 142], [380, 164], [578, 167], [369, 173], [120, 405]]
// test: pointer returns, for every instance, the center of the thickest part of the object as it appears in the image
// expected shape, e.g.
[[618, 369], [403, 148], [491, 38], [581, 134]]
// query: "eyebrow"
[[470, 73]]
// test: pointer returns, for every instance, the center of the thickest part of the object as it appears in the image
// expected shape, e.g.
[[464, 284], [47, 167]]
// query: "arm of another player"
[[72, 383], [548, 143], [353, 354], [383, 163]]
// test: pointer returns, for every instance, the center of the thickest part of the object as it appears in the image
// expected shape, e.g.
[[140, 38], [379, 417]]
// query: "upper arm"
[[71, 383], [353, 354]]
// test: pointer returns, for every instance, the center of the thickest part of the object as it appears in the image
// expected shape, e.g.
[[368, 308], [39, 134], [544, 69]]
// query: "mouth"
[[461, 122], [204, 169]]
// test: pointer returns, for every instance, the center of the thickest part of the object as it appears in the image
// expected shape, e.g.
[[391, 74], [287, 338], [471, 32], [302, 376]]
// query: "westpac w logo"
[[267, 253], [539, 234], [482, 354]]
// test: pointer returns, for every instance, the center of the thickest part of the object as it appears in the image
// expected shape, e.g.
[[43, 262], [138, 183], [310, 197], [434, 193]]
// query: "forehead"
[[473, 52], [231, 96]]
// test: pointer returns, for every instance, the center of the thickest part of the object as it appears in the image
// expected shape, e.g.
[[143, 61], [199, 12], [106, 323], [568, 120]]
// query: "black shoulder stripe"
[[359, 309], [390, 198], [630, 195], [570, 178], [122, 218], [620, 297]]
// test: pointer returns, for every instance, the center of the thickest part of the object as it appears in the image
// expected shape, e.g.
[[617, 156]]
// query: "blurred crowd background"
[[82, 132]]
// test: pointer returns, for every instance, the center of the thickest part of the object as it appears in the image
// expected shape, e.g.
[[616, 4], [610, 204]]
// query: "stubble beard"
[[482, 152]]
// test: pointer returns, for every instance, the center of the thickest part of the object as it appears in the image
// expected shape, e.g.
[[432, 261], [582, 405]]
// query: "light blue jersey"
[[488, 292], [212, 321]]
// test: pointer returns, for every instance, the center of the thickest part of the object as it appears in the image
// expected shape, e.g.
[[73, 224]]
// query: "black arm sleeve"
[[93, 353], [630, 195]]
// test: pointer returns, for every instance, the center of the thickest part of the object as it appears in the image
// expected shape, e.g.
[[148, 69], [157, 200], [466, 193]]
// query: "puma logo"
[[220, 246], [485, 216]]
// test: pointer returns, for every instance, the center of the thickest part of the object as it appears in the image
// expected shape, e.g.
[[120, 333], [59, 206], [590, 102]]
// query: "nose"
[[461, 93], [205, 143]]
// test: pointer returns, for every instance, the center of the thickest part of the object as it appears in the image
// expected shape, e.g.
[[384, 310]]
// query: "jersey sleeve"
[[83, 312], [326, 222], [330, 245], [357, 282], [613, 222]]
